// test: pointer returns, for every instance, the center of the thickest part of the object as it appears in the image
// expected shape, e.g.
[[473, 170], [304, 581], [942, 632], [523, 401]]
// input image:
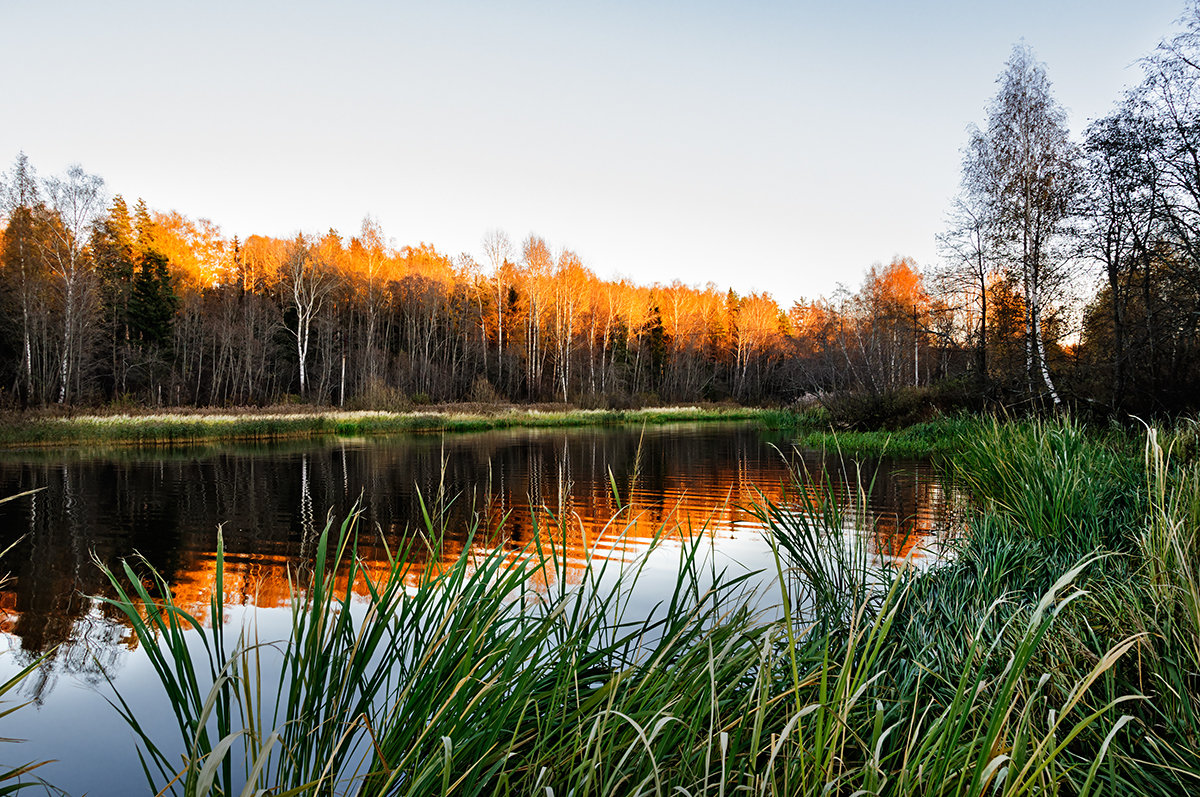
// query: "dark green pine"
[[152, 303]]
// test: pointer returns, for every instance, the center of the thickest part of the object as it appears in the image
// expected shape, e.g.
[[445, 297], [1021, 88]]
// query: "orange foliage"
[[898, 289], [200, 256]]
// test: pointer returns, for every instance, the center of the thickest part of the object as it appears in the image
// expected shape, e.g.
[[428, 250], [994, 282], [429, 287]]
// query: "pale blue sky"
[[764, 146]]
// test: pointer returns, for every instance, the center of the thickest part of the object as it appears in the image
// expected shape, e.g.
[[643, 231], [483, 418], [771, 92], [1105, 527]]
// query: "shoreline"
[[188, 426]]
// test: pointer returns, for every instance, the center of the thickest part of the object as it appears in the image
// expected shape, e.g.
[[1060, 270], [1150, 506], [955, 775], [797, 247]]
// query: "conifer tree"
[[113, 250], [143, 226], [152, 301]]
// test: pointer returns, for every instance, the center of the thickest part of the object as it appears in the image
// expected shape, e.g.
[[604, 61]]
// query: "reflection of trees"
[[899, 506], [90, 654], [269, 502]]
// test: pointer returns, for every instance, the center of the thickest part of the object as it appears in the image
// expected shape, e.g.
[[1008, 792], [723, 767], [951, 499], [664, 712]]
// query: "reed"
[[1051, 493], [13, 778], [936, 438], [497, 675], [1053, 480]]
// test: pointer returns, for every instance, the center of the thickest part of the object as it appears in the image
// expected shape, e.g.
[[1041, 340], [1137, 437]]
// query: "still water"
[[270, 502]]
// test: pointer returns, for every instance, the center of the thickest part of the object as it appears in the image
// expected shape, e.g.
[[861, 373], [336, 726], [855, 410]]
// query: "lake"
[[270, 502]]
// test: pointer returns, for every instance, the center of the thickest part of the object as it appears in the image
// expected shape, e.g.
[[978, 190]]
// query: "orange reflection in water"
[[518, 488], [585, 524]]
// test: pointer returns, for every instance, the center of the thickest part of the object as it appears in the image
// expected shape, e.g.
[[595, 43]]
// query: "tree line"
[[106, 303], [1069, 274]]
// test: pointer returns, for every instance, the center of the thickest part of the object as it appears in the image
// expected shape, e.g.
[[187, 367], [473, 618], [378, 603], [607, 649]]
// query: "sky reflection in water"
[[271, 502]]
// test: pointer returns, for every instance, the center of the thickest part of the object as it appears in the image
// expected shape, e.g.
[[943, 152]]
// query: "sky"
[[763, 146]]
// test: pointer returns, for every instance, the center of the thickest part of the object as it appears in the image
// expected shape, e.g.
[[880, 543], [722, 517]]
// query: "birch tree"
[[498, 250], [1023, 170], [308, 284], [76, 200], [371, 246], [538, 262]]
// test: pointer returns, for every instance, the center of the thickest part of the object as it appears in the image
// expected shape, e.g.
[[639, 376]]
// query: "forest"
[[1069, 276]]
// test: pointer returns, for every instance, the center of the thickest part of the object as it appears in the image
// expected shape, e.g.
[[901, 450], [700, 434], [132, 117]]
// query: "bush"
[[606, 401], [380, 396], [892, 409], [901, 407], [482, 392]]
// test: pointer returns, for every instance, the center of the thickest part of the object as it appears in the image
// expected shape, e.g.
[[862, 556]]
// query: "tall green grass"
[[1053, 480], [940, 437], [13, 778], [964, 702], [517, 672], [472, 681], [1051, 493]]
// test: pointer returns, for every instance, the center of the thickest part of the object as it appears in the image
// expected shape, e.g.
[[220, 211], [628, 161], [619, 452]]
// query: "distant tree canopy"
[[1070, 273], [177, 312]]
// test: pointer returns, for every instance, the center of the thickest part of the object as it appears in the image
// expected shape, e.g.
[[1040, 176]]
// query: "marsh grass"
[[14, 778], [1051, 493], [521, 672], [174, 429], [939, 437], [470, 681], [816, 532], [1053, 480], [1168, 602]]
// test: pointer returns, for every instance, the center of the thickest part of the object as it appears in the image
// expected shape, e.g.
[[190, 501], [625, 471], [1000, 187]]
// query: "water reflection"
[[597, 491]]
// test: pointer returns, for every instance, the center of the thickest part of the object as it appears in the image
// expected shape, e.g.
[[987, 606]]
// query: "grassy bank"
[[175, 428], [812, 428], [940, 436]]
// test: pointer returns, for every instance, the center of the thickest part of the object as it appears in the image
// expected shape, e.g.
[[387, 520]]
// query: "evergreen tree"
[[658, 343], [143, 225], [152, 302], [112, 247]]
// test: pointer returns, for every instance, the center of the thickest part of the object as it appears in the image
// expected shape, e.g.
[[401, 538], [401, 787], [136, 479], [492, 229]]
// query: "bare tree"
[[76, 201], [309, 284], [1125, 212], [498, 250], [967, 270], [1023, 170]]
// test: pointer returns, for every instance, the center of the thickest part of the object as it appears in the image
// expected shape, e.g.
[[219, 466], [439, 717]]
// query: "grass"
[[1050, 494], [940, 436], [469, 682], [14, 778], [188, 428], [1055, 653], [936, 438]]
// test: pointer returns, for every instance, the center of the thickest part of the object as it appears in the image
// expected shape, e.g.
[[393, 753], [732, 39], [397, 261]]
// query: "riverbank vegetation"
[[1066, 278], [1053, 651], [814, 427], [179, 428]]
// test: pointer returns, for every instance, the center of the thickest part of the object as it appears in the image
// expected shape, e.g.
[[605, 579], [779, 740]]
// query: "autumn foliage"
[[175, 312], [104, 303]]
